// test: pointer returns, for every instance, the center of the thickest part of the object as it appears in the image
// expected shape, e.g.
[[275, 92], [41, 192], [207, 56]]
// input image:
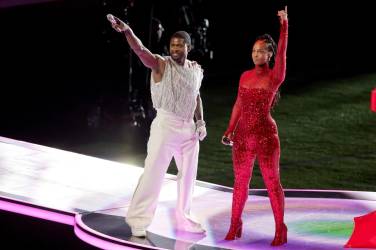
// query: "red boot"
[[235, 231], [280, 237]]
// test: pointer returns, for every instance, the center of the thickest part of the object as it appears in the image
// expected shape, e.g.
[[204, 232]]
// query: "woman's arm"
[[235, 115], [279, 69]]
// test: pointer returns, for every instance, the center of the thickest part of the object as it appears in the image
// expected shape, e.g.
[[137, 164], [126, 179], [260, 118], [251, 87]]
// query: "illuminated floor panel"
[[93, 195]]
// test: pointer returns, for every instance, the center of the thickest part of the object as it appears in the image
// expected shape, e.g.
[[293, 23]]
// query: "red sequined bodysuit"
[[255, 135]]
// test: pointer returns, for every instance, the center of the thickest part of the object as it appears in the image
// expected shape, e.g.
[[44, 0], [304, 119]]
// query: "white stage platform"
[[92, 195]]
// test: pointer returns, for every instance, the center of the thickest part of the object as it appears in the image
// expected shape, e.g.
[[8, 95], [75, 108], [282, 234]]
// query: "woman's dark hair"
[[272, 47]]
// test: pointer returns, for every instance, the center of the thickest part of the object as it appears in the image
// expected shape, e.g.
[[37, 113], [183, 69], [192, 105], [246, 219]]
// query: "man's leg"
[[187, 161], [145, 197]]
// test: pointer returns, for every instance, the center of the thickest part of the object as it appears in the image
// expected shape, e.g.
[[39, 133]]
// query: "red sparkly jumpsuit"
[[255, 135]]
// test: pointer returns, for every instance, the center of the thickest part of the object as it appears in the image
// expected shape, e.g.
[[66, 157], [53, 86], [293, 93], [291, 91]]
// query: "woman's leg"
[[269, 165], [243, 159]]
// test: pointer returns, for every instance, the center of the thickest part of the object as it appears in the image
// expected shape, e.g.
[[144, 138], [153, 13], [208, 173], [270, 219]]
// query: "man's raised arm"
[[149, 59]]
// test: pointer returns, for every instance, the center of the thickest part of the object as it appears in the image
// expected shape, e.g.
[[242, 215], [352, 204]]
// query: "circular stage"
[[316, 220]]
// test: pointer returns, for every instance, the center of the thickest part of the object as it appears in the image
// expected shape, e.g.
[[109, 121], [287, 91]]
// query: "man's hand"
[[117, 24], [201, 130]]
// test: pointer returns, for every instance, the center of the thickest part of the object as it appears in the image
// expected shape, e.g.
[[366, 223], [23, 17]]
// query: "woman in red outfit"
[[253, 132]]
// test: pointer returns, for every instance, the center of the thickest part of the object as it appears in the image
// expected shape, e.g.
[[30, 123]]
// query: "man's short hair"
[[184, 35]]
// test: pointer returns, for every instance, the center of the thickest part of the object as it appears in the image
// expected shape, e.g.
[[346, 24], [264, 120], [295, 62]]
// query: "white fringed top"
[[178, 89]]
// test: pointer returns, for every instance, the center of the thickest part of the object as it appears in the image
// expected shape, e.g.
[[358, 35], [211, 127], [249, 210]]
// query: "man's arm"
[[200, 123], [149, 59], [199, 111]]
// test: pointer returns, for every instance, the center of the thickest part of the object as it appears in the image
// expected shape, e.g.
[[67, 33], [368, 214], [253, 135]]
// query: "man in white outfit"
[[175, 85]]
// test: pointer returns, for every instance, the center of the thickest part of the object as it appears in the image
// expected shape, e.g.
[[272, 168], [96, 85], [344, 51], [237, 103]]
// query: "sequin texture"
[[256, 137]]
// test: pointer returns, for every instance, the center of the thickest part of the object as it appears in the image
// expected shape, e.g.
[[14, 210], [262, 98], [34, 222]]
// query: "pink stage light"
[[103, 241], [46, 214], [83, 232], [102, 244]]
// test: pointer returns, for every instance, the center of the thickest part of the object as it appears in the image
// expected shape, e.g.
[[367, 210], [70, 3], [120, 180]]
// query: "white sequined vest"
[[178, 89]]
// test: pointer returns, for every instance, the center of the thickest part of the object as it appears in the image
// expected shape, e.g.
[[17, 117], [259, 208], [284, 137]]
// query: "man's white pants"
[[170, 136]]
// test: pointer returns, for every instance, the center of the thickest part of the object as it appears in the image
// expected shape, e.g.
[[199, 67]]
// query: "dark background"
[[62, 64], [61, 60]]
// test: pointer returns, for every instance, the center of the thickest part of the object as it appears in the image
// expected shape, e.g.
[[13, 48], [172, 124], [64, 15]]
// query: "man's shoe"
[[138, 232]]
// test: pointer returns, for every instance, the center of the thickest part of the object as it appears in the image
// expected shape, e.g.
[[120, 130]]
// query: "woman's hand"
[[227, 139], [117, 24], [282, 15]]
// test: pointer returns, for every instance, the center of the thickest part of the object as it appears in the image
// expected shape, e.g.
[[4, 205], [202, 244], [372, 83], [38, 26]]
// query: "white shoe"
[[138, 232], [189, 226]]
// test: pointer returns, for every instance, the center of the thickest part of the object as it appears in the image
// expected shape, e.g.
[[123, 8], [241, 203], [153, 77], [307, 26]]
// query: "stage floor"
[[92, 195]]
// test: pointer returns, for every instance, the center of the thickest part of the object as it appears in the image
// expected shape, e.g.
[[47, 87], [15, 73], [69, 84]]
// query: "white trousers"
[[170, 136]]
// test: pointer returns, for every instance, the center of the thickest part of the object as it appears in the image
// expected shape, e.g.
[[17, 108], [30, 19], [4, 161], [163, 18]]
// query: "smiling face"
[[178, 49], [260, 53]]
